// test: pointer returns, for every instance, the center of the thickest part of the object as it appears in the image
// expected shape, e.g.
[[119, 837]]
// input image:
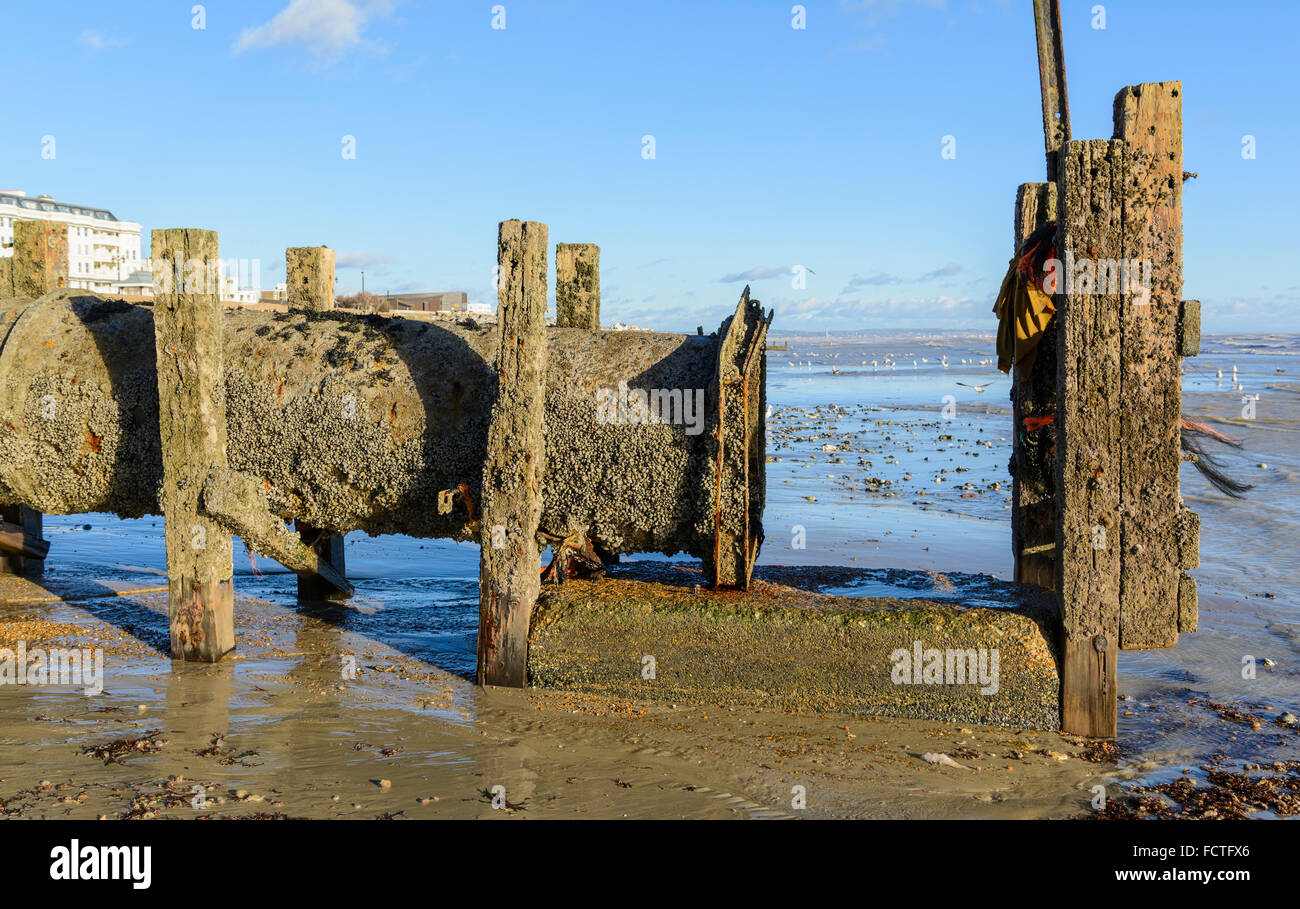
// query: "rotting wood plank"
[[1148, 118], [739, 446], [509, 559], [1033, 504], [192, 428], [1088, 442]]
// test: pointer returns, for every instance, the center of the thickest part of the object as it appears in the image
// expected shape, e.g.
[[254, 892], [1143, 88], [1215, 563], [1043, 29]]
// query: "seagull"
[[978, 388]]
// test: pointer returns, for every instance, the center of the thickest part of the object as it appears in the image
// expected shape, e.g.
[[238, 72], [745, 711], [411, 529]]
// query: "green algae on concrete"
[[646, 634]]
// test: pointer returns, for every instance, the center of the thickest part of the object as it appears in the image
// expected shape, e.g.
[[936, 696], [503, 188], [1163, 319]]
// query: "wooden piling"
[[1148, 119], [40, 260], [577, 285], [192, 426], [309, 277], [510, 562], [1088, 425], [1033, 501]]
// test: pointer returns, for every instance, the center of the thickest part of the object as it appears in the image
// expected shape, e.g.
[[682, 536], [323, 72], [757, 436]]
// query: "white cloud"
[[327, 28], [758, 273], [362, 259], [93, 39]]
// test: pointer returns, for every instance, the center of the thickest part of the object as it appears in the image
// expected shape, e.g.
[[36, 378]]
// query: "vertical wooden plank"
[[192, 424], [1087, 440], [309, 277], [1148, 118], [577, 285], [739, 446], [509, 560], [1033, 502]]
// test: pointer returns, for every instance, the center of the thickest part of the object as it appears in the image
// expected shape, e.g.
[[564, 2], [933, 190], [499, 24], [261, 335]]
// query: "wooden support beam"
[[238, 502], [577, 285], [1088, 457], [192, 428], [1148, 119], [309, 279], [1033, 503], [509, 560]]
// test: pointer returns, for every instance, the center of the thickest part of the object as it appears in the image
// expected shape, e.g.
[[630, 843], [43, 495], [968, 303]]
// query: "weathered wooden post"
[[577, 285], [192, 426], [309, 277], [509, 561], [1088, 456], [1124, 537], [38, 266]]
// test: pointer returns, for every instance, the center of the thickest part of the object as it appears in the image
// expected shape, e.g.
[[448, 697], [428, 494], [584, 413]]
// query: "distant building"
[[479, 309], [279, 295], [102, 251], [136, 284], [451, 301]]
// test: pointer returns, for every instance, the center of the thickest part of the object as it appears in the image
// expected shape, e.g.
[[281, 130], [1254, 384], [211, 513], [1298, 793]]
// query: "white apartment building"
[[102, 251]]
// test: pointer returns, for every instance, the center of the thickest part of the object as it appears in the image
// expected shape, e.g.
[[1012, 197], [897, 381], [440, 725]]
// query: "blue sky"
[[774, 146]]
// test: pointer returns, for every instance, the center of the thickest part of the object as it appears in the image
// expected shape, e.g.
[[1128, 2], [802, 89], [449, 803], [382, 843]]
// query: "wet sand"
[[275, 731]]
